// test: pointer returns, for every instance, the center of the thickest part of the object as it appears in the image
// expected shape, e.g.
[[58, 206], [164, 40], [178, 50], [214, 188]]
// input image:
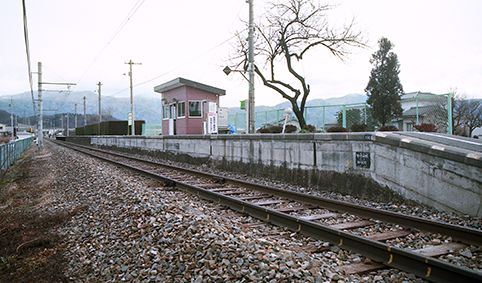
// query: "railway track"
[[340, 223]]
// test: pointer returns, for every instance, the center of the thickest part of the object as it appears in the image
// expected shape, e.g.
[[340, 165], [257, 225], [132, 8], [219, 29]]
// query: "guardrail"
[[11, 151]]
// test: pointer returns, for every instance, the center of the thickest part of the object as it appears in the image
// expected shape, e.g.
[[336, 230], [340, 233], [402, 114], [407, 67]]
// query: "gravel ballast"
[[131, 229]]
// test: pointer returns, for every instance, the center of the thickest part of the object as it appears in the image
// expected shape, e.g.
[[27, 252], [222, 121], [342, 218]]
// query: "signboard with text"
[[363, 159], [212, 123]]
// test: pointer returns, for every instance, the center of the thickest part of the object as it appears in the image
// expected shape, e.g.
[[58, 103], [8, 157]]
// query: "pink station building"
[[188, 107]]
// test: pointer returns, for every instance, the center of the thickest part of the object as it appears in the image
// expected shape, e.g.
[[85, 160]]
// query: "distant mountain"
[[148, 108]]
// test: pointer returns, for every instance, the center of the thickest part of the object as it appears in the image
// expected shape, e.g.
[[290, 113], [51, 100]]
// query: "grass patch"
[[30, 250]]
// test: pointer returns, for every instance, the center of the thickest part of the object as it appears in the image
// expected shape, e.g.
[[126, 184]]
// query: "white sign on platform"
[[212, 123], [129, 118]]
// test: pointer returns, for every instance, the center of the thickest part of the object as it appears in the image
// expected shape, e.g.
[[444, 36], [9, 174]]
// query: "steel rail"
[[428, 268], [458, 233]]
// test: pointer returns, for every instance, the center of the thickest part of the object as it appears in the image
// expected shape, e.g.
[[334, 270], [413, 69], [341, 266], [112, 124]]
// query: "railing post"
[[416, 109], [344, 116], [236, 122], [365, 110], [449, 113], [324, 108]]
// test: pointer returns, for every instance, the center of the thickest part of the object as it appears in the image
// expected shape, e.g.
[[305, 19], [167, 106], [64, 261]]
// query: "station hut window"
[[195, 109], [165, 112], [181, 109]]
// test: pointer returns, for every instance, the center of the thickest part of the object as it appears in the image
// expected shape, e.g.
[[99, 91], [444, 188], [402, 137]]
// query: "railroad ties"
[[367, 231]]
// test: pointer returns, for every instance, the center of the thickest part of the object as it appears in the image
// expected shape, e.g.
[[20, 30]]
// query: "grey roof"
[[415, 94], [422, 110], [179, 82]]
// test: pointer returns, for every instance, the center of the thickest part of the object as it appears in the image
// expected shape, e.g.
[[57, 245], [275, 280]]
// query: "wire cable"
[[116, 32], [180, 66], [27, 49], [114, 35]]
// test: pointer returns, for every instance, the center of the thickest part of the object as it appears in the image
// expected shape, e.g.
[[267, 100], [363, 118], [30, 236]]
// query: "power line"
[[182, 65], [27, 49], [227, 31], [116, 32]]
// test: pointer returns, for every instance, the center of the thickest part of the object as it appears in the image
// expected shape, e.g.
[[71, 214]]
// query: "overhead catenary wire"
[[131, 13], [116, 32], [114, 35], [27, 49], [227, 31], [180, 66]]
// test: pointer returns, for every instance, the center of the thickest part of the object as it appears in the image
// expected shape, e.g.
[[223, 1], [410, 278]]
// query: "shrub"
[[291, 129], [388, 129], [426, 127], [309, 128], [276, 129], [358, 128], [336, 129], [263, 130]]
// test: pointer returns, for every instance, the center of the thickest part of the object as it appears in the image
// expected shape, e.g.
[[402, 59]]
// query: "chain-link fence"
[[11, 151], [264, 119], [418, 108], [342, 115], [151, 129], [425, 108]]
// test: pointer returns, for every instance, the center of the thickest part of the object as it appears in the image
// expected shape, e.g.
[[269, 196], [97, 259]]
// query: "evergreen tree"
[[384, 87]]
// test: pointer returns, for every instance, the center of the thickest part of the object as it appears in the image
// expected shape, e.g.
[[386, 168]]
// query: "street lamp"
[[288, 112]]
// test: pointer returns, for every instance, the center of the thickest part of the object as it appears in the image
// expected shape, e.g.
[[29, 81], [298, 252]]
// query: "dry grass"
[[5, 139], [29, 249]]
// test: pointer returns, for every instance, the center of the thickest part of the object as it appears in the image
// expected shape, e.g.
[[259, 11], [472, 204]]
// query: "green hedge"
[[109, 128]]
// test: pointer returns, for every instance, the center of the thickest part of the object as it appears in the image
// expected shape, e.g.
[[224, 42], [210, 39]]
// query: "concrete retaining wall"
[[382, 167]]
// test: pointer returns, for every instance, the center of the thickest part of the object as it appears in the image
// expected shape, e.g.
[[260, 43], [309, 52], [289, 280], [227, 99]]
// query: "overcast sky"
[[438, 44]]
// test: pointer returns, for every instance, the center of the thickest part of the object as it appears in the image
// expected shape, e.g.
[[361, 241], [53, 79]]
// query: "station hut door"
[[172, 119]]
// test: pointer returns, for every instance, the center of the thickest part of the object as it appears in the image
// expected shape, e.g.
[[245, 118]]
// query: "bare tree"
[[466, 114], [284, 35], [107, 114]]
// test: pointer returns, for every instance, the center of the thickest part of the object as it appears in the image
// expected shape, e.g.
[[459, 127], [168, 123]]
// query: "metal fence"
[[151, 129], [429, 109], [417, 109], [343, 115], [11, 151]]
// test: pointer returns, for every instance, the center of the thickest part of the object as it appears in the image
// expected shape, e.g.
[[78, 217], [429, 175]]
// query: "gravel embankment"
[[131, 229]]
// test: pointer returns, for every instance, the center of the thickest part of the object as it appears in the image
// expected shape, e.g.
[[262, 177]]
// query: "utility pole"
[[100, 111], [133, 131], [40, 115], [251, 110], [85, 116], [40, 110], [11, 117], [67, 134], [76, 115]]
